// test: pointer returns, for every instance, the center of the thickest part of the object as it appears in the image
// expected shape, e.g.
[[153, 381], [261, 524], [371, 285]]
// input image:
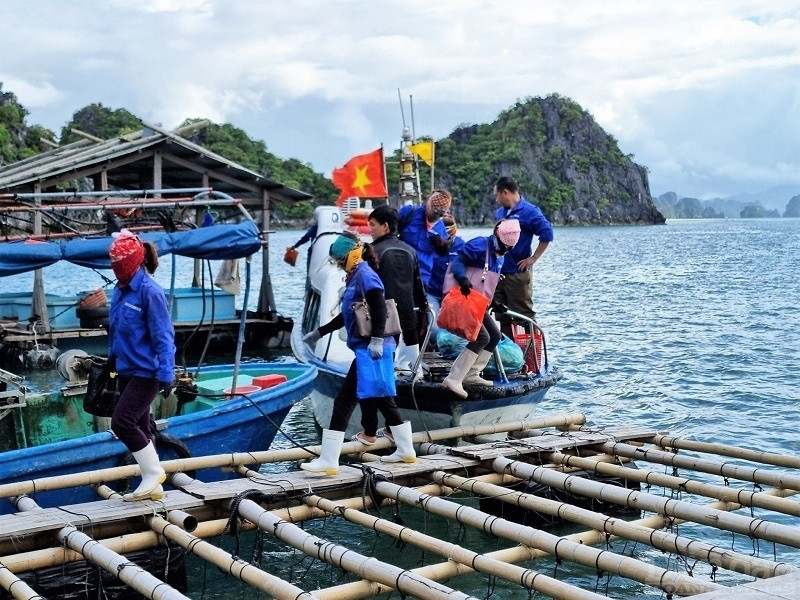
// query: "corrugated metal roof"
[[129, 161]]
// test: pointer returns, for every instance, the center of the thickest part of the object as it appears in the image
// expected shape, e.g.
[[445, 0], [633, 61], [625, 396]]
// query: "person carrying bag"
[[479, 255], [370, 380]]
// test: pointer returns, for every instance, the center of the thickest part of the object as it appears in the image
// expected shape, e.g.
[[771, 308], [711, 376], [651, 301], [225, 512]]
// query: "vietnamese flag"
[[361, 176]]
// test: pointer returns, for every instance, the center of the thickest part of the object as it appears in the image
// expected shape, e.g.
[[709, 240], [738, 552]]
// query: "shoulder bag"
[[102, 389], [364, 320], [482, 280]]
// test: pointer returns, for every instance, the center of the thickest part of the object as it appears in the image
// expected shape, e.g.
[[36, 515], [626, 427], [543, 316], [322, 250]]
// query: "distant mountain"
[[773, 198], [793, 208], [562, 159], [685, 208]]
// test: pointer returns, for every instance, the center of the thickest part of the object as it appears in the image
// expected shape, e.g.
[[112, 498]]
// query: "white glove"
[[312, 337], [376, 347]]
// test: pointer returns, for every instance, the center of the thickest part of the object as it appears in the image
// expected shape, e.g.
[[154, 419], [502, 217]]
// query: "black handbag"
[[102, 389]]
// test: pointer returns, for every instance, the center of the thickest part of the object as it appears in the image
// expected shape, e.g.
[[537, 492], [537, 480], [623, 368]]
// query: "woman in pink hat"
[[475, 253], [141, 343]]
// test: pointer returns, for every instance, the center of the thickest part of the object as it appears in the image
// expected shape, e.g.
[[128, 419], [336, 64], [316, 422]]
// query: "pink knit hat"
[[508, 231]]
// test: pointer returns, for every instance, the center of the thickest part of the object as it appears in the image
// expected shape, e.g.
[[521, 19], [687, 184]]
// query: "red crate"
[[267, 381]]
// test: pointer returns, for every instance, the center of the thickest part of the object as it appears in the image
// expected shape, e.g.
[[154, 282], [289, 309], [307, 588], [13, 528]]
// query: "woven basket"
[[93, 300]]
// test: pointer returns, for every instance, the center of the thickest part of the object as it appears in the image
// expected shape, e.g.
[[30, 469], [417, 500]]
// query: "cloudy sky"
[[705, 94]]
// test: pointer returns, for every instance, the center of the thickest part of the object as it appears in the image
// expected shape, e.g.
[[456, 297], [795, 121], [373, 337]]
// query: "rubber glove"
[[312, 337], [499, 308], [376, 347], [465, 286]]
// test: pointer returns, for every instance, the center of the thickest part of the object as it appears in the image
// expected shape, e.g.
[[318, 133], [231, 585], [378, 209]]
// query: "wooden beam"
[[107, 165], [212, 174], [88, 136]]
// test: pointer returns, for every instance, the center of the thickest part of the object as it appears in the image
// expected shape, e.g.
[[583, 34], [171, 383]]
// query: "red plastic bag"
[[462, 315]]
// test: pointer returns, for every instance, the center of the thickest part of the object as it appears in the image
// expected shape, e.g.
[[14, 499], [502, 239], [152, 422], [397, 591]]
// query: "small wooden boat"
[[205, 419]]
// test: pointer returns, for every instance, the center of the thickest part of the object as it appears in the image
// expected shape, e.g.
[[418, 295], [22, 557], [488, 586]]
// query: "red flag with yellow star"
[[361, 176]]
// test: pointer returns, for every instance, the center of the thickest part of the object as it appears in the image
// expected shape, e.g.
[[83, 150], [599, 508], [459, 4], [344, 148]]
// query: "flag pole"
[[385, 178], [414, 141], [433, 160]]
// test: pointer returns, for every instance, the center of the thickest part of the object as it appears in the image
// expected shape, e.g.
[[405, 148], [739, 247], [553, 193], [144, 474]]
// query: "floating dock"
[[700, 483]]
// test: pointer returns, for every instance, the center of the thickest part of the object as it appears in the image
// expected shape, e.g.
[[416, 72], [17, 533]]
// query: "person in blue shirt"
[[467, 366], [445, 252], [421, 228], [141, 346], [515, 289], [362, 284]]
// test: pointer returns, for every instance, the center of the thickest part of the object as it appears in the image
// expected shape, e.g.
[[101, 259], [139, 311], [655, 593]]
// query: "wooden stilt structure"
[[567, 459]]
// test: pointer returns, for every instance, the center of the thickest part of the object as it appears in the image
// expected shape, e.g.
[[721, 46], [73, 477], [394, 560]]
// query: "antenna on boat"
[[402, 112], [414, 141]]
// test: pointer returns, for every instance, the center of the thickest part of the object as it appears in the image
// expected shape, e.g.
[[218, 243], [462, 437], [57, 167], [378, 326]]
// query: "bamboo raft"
[[569, 459]]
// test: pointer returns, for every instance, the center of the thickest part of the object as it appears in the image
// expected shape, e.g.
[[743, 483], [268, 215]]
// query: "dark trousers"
[[410, 336], [131, 419], [488, 337], [345, 403]]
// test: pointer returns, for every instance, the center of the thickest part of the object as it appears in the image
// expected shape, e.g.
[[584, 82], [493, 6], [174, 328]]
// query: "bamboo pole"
[[250, 574], [757, 528], [16, 587], [346, 559], [769, 458], [762, 476], [684, 484], [21, 562], [113, 563], [528, 578], [604, 560], [440, 571], [667, 542], [269, 456]]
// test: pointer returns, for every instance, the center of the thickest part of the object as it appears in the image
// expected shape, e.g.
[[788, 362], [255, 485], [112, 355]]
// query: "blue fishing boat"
[[212, 422]]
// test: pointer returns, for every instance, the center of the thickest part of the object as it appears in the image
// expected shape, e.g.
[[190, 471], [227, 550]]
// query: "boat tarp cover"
[[219, 242]]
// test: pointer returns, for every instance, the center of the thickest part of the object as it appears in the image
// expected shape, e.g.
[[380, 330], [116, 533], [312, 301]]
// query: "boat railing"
[[418, 362], [533, 329]]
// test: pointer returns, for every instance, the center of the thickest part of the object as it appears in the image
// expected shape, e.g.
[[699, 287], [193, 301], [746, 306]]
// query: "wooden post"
[[664, 541], [604, 560], [157, 170], [528, 578], [266, 298], [39, 300], [744, 497], [113, 563], [757, 528], [198, 220]]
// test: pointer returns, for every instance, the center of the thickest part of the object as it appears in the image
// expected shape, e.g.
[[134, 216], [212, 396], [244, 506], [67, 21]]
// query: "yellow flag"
[[424, 150]]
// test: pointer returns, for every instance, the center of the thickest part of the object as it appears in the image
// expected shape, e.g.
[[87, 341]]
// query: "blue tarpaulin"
[[219, 242]]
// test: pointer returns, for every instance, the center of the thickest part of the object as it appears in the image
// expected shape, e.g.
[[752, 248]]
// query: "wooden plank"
[[550, 442], [100, 511]]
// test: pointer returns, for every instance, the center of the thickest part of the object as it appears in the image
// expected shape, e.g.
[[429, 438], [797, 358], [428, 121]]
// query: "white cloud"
[[677, 83]]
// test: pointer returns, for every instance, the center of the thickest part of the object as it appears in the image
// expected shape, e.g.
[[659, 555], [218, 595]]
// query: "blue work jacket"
[[531, 222], [416, 234], [439, 270], [473, 254], [140, 333]]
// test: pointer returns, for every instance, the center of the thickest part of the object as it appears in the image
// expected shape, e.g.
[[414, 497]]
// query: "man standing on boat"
[[515, 289]]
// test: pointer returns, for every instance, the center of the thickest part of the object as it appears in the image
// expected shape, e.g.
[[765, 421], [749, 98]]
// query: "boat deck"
[[568, 459]]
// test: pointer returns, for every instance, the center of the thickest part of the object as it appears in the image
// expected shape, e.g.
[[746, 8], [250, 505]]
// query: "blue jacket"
[[140, 333], [361, 281], [531, 222], [439, 270], [416, 234], [473, 254]]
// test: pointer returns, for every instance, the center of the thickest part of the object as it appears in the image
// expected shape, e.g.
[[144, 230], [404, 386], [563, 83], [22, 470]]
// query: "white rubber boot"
[[474, 375], [402, 439], [401, 358], [152, 476], [412, 353], [459, 370], [328, 461]]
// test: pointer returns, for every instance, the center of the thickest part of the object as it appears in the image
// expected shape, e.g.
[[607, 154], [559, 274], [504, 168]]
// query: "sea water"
[[691, 327]]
